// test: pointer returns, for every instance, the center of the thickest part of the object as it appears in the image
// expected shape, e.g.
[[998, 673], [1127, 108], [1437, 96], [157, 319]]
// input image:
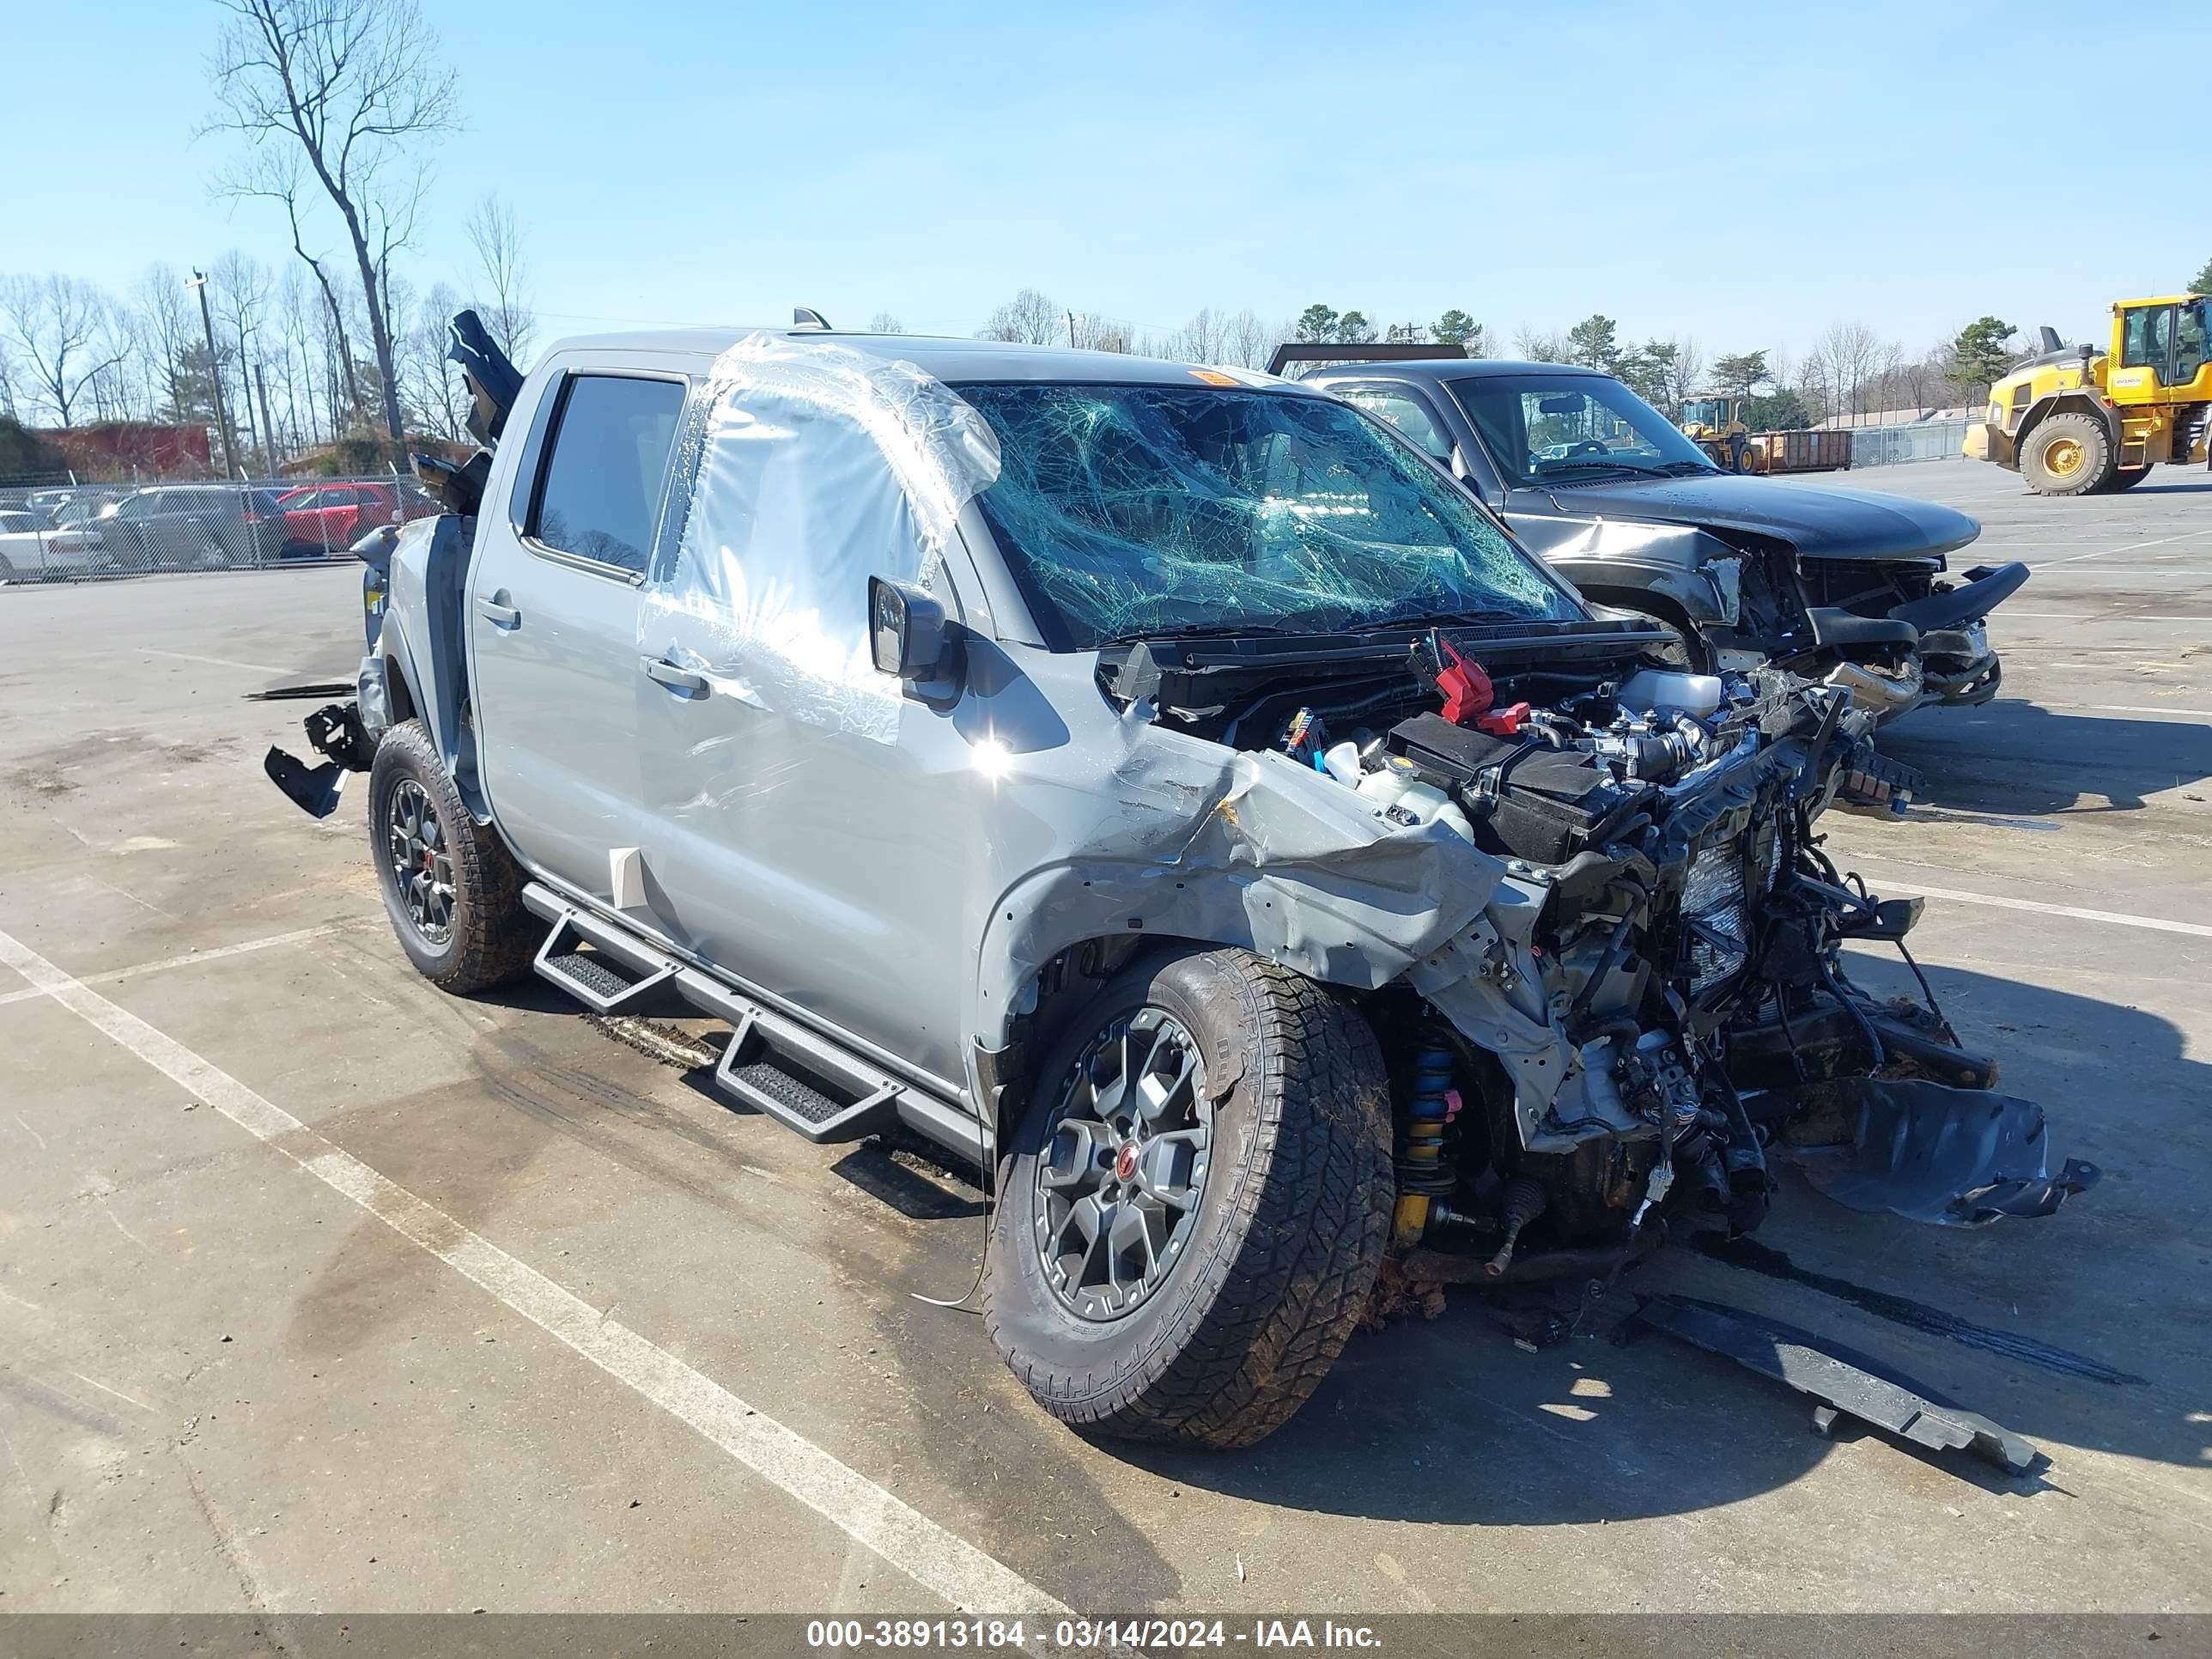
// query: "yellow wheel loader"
[[2074, 420], [1716, 425]]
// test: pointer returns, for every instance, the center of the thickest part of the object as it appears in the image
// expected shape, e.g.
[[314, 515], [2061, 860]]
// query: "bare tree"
[[275, 174], [168, 327], [1675, 368], [1203, 339], [1540, 346], [238, 292], [1028, 316], [355, 84], [1249, 341], [883, 323], [497, 239], [1846, 362], [61, 330], [432, 394]]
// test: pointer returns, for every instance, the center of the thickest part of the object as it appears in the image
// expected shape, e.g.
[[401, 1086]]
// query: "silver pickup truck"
[[1167, 791]]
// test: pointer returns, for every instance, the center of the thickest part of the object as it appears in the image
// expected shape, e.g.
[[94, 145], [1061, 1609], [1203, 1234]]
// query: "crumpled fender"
[[1257, 852], [424, 635], [1700, 573]]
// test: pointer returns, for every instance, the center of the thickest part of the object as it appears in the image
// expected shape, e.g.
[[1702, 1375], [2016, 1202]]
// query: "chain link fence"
[[56, 531], [1925, 440]]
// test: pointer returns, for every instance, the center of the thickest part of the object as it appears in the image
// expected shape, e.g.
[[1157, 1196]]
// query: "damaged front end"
[[1652, 1007], [338, 732]]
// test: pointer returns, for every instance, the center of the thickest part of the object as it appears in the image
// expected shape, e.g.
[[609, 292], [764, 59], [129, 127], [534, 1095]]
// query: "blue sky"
[[1742, 175]]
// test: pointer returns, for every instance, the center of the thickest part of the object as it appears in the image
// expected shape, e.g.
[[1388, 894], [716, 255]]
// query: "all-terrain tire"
[[2067, 455], [490, 938], [1287, 1237]]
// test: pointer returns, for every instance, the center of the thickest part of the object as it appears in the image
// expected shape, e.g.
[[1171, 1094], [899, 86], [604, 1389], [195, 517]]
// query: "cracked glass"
[[1138, 511]]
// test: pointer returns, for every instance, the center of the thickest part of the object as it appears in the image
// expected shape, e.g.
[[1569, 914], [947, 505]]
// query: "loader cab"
[[1714, 413], [2160, 346]]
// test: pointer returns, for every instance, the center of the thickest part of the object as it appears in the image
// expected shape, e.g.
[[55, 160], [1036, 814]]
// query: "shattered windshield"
[[1135, 511]]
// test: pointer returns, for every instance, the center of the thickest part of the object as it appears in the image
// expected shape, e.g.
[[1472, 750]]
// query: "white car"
[[30, 552]]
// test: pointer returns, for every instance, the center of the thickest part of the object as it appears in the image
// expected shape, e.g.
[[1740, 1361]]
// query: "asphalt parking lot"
[[324, 1291]]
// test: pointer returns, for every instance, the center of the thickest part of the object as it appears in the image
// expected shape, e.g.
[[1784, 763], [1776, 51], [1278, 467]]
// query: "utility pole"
[[1071, 330], [215, 377]]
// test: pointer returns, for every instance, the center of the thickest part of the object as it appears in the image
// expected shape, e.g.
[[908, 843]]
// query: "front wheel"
[[1196, 1203], [2067, 455], [450, 886]]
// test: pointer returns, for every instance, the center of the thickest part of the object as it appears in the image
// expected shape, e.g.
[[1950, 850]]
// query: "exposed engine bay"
[[1654, 1009]]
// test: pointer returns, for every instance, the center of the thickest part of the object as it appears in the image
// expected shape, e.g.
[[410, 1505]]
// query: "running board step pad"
[[780, 1069], [598, 979], [774, 1065]]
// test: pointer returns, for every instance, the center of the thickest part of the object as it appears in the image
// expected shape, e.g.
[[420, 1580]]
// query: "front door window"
[[2147, 340]]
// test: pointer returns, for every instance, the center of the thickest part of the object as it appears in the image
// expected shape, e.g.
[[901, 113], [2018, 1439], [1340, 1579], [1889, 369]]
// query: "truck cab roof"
[[950, 358]]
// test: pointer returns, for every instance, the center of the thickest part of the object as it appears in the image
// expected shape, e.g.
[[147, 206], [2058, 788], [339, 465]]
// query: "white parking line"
[[115, 975], [2106, 617], [2115, 918], [215, 662], [949, 1566], [2132, 708], [2186, 535]]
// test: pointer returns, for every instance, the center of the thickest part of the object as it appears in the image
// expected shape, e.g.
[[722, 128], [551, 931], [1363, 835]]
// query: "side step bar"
[[777, 1066], [607, 978], [813, 1085]]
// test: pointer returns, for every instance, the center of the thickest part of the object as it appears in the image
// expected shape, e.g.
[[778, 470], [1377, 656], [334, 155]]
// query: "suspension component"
[[1524, 1202], [1422, 1172]]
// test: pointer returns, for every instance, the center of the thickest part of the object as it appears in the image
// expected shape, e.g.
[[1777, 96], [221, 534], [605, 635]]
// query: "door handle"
[[677, 680], [499, 616]]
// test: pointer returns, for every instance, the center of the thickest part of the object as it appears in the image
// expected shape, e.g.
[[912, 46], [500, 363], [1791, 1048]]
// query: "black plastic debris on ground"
[[1958, 1157], [1844, 1380]]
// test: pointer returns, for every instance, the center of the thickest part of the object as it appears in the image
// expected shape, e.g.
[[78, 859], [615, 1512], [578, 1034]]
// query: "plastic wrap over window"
[[818, 467]]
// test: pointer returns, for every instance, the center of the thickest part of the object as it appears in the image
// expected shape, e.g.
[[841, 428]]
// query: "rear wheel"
[[2067, 455], [450, 886], [2128, 477], [1196, 1203]]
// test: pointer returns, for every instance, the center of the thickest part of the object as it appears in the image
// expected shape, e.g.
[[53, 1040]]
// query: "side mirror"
[[909, 637]]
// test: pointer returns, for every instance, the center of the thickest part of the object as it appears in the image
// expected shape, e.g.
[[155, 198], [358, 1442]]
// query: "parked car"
[[322, 517], [30, 552], [1165, 790], [63, 506], [1843, 584], [195, 527]]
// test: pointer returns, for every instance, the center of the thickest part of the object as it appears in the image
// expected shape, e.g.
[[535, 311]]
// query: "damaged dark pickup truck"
[[1844, 585], [1165, 790]]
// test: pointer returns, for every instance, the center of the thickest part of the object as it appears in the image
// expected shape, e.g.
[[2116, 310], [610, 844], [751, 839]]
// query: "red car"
[[331, 517]]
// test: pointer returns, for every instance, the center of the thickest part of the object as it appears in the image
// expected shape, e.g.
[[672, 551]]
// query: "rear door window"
[[600, 489], [1410, 414]]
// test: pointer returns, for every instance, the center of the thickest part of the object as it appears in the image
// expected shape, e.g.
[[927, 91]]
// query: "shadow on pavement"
[[2015, 757]]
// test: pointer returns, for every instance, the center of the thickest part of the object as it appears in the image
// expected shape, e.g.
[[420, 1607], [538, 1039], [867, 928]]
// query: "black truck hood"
[[1821, 521]]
